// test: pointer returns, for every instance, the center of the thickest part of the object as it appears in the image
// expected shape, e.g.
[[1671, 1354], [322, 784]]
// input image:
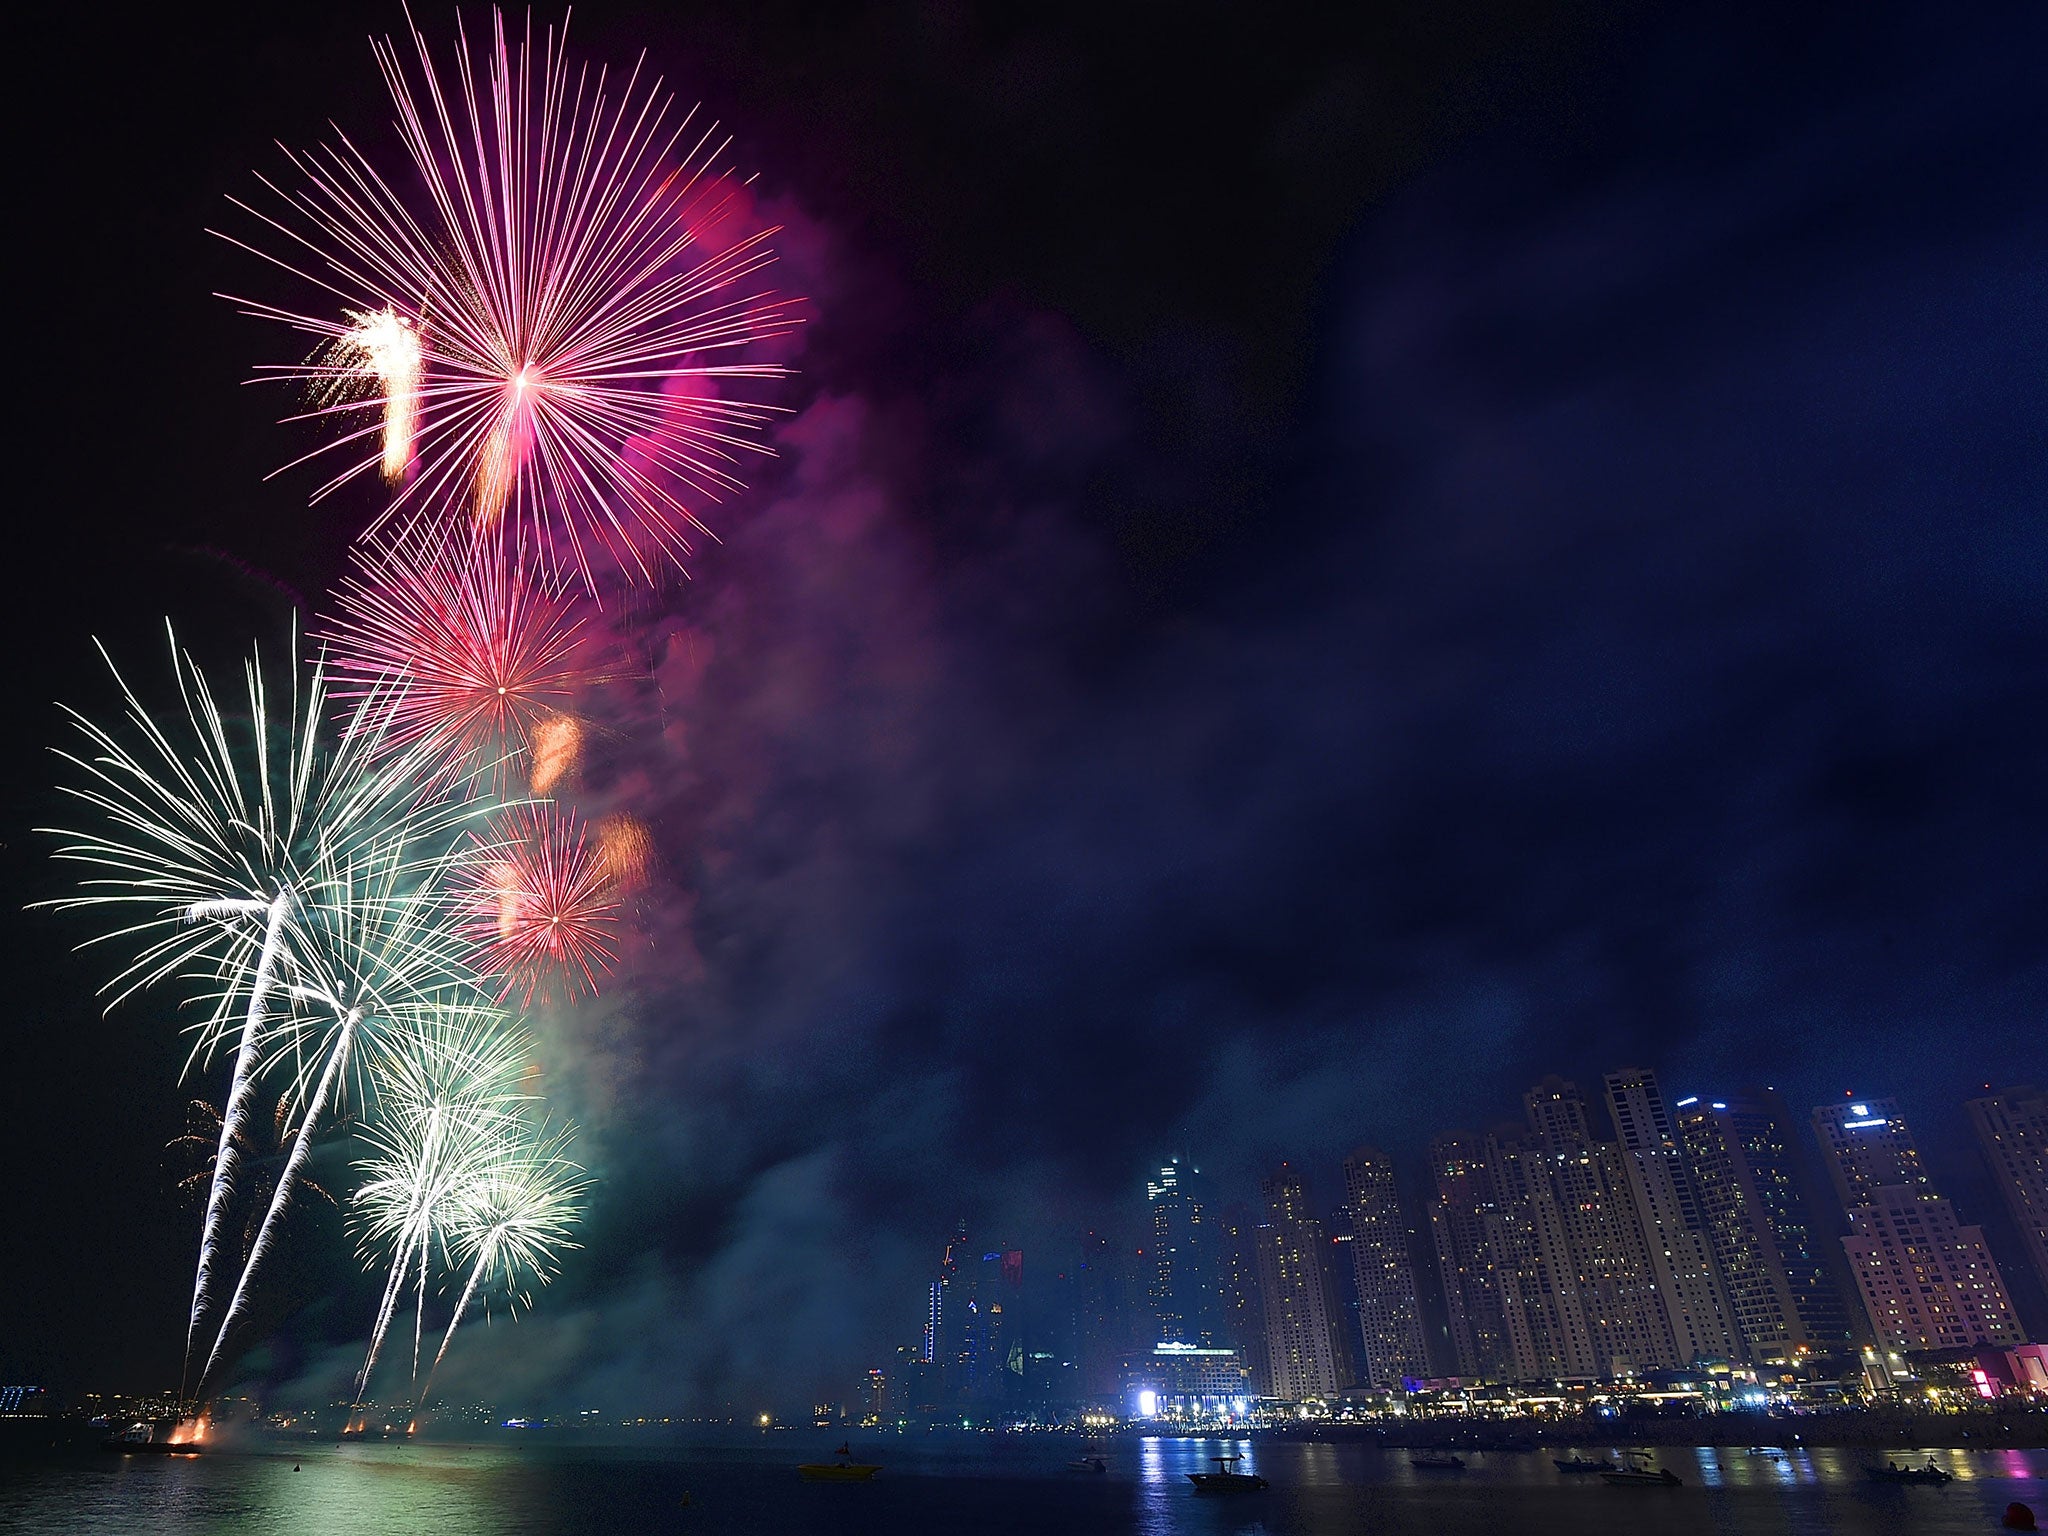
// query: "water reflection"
[[1318, 1488]]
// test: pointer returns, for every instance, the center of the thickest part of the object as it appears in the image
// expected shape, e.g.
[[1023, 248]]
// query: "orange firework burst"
[[626, 849], [557, 744], [542, 906], [488, 650]]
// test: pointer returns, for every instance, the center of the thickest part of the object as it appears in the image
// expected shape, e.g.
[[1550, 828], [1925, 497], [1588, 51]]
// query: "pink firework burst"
[[572, 315], [542, 906], [488, 649]]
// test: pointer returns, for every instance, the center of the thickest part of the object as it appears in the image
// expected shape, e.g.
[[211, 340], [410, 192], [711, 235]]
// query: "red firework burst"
[[487, 649], [542, 906]]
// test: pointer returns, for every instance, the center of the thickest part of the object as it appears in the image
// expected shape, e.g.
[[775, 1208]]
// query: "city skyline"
[[1769, 1256]]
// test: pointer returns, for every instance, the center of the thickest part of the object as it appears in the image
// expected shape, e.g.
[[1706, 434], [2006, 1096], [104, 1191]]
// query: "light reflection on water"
[[992, 1485]]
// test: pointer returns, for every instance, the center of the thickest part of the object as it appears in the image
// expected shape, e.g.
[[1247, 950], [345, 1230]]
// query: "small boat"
[[141, 1439], [1437, 1461], [1638, 1473], [1225, 1480], [1087, 1464], [1577, 1464], [1929, 1475], [844, 1470]]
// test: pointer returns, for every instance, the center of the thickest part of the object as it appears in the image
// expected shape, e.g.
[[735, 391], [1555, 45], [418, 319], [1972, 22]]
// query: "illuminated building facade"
[[1190, 1381], [1459, 1213], [1303, 1347], [1926, 1279], [1866, 1146], [1181, 1273], [1244, 1304], [1389, 1314], [1770, 1253], [1928, 1282], [1681, 1253], [1612, 1321], [2012, 1133], [1544, 1323]]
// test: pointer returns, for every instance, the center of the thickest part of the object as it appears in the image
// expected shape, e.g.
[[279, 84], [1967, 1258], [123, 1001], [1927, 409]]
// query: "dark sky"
[[1324, 568]]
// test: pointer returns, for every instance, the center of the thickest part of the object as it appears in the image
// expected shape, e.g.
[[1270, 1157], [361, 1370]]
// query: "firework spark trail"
[[370, 952], [240, 1087], [626, 849], [542, 906], [447, 1098], [216, 842], [566, 304], [514, 1222]]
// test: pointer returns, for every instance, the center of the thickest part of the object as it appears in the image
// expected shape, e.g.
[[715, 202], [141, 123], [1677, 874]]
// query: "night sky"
[[1321, 569]]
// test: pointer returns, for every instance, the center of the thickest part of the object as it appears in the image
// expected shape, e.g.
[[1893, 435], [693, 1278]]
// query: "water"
[[982, 1487]]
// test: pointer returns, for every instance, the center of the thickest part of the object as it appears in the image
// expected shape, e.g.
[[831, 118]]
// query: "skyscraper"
[[1181, 1277], [1389, 1315], [1100, 1324], [1458, 1227], [1681, 1251], [1539, 1276], [2012, 1133], [1866, 1146], [1770, 1254], [1303, 1347], [1927, 1280], [1244, 1307], [943, 1308], [1611, 1285]]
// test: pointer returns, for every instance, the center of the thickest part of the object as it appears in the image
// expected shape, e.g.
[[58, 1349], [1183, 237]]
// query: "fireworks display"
[[556, 322], [542, 906], [346, 865], [490, 648], [212, 851]]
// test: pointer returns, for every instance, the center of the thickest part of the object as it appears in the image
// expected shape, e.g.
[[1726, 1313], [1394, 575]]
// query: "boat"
[[844, 1470], [1225, 1480], [1576, 1464], [1930, 1475], [1087, 1464], [1437, 1461], [1638, 1473], [141, 1439]]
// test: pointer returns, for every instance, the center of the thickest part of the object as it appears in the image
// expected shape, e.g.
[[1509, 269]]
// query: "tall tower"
[[1181, 1281], [1302, 1344], [1770, 1254], [1539, 1274], [1928, 1281], [2012, 1133], [1613, 1281], [944, 1307], [1458, 1217], [1389, 1315], [1867, 1146], [1244, 1303], [1681, 1252], [1101, 1325]]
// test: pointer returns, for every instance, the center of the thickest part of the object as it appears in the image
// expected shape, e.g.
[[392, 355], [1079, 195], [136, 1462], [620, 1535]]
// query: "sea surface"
[[972, 1486]]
